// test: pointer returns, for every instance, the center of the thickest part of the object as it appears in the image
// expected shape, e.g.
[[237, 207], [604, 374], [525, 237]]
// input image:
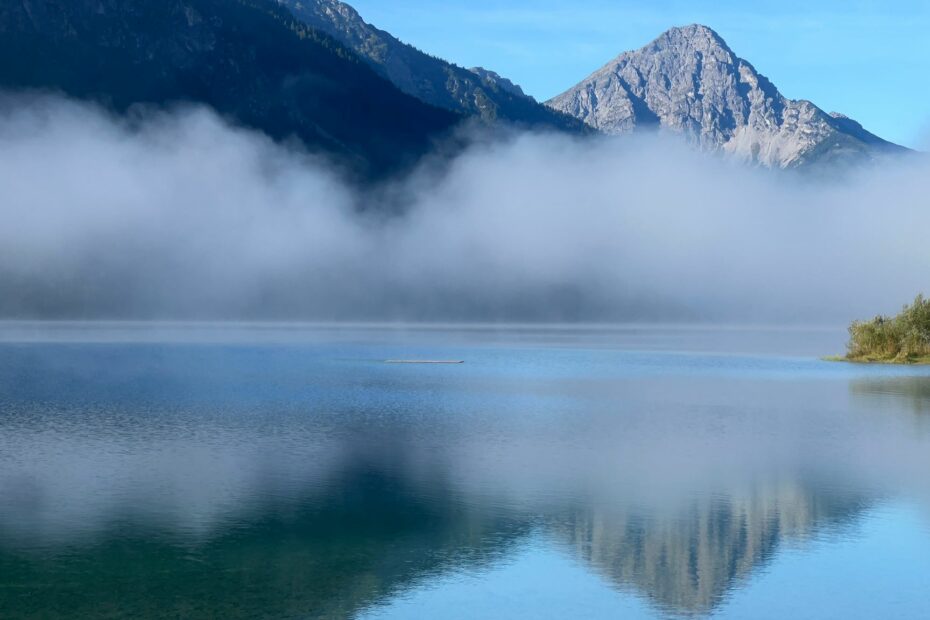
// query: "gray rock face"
[[476, 92], [689, 81], [494, 79]]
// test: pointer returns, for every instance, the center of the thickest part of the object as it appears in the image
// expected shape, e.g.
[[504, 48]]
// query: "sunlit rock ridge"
[[689, 81], [474, 92]]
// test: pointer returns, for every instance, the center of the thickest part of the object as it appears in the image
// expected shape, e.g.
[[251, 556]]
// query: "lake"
[[286, 471]]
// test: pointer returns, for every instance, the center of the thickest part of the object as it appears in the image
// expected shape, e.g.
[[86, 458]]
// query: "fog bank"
[[179, 215]]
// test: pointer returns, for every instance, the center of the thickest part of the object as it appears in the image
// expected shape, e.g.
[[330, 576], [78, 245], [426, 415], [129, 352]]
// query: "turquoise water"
[[257, 471]]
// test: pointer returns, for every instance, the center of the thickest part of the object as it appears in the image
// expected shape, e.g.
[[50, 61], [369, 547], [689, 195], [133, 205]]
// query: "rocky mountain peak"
[[689, 81], [694, 37]]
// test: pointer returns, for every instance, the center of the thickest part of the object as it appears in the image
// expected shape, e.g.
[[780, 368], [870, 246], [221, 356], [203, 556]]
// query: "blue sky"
[[867, 59]]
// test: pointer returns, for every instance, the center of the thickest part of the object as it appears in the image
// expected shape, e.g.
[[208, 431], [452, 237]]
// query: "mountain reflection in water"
[[305, 479], [686, 563]]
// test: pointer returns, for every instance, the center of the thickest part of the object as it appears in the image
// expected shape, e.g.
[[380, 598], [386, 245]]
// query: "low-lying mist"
[[179, 215]]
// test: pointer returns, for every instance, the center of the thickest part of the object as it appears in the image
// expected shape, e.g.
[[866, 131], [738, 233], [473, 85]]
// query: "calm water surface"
[[187, 471]]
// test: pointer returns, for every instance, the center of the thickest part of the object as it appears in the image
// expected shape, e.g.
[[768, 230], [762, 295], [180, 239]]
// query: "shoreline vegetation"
[[901, 339]]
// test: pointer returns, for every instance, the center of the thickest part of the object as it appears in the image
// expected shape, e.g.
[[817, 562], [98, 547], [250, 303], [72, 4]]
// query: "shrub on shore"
[[904, 338]]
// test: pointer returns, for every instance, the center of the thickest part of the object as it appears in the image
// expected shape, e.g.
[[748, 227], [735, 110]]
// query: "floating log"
[[424, 361]]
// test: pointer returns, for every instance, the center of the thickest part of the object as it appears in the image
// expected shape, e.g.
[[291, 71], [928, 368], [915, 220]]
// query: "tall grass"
[[904, 338]]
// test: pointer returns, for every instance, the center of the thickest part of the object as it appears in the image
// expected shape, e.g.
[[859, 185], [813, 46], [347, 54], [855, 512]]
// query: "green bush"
[[903, 338]]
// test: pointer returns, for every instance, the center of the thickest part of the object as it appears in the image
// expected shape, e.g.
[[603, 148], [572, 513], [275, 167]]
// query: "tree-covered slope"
[[248, 59]]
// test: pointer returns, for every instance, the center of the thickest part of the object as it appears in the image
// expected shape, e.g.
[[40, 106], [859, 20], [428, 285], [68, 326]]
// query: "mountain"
[[248, 59], [689, 81], [475, 92]]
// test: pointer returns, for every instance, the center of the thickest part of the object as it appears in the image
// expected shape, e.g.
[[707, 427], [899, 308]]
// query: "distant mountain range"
[[689, 81], [315, 70], [474, 92]]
